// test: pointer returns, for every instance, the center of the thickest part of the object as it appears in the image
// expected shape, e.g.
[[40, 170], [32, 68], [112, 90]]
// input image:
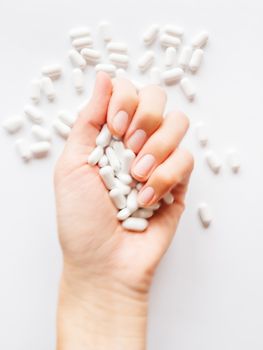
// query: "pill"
[[40, 133], [135, 224], [168, 198], [201, 133], [167, 40], [196, 60], [81, 43], [105, 31], [67, 118], [173, 30], [61, 128], [117, 47], [113, 159], [185, 57], [121, 73], [150, 35], [120, 60], [213, 161], [95, 155], [53, 71], [132, 201], [104, 137], [205, 214], [76, 59], [146, 61], [139, 186], [200, 40], [91, 55], [48, 88], [123, 214], [155, 206], [34, 114], [138, 85], [155, 76], [188, 88], [127, 158], [13, 124], [124, 178], [173, 75], [23, 149], [118, 198], [78, 80], [79, 32], [40, 149], [35, 90], [170, 56], [107, 68], [103, 161], [233, 160], [125, 189], [107, 176], [118, 147], [143, 213]]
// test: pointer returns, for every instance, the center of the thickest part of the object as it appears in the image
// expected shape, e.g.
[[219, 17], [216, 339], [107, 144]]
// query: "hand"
[[99, 255]]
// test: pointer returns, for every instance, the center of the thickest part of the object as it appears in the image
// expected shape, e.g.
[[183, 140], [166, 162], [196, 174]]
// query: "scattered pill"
[[95, 155], [107, 68], [107, 175], [61, 128], [132, 201], [13, 124], [188, 88], [167, 40], [200, 40], [172, 76], [67, 118], [53, 71], [213, 161], [233, 160], [205, 214], [78, 80], [79, 32], [105, 31], [170, 56], [185, 57], [202, 134], [23, 149], [124, 178], [119, 60], [48, 88], [40, 149], [118, 198], [81, 43], [146, 61], [155, 76], [113, 159], [35, 91], [123, 214], [196, 60], [104, 137], [173, 30], [117, 47], [76, 59], [91, 55], [150, 35], [168, 198], [40, 133], [135, 224], [34, 114]]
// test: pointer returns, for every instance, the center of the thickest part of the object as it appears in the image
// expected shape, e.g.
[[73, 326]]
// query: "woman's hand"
[[108, 270]]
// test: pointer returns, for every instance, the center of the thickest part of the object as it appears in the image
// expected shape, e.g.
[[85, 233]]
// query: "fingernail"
[[146, 195], [144, 165], [120, 122], [136, 141]]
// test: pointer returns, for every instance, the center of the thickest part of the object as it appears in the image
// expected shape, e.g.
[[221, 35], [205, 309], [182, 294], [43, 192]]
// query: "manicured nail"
[[146, 195], [136, 141], [120, 122], [144, 165]]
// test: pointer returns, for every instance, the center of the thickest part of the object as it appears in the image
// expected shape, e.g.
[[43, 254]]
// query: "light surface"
[[208, 292]]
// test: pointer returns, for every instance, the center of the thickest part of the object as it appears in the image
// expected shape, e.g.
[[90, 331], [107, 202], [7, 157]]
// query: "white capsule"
[[123, 214], [150, 35], [173, 30], [233, 160], [105, 31], [78, 80], [53, 71], [35, 90], [188, 88], [81, 43], [117, 47], [95, 155], [144, 213], [170, 55], [107, 68], [67, 118], [48, 88], [139, 186], [170, 41], [168, 198], [121, 73], [40, 149], [113, 159], [91, 55], [146, 61], [124, 178], [138, 85], [23, 149], [61, 128], [34, 114], [172, 76], [155, 76], [155, 206], [76, 59], [118, 198], [79, 32], [132, 201], [104, 137], [125, 189], [135, 224], [185, 57], [13, 124], [200, 40], [205, 214], [213, 161], [127, 158], [201, 134], [107, 175], [103, 161], [120, 60], [118, 147], [40, 133], [196, 60]]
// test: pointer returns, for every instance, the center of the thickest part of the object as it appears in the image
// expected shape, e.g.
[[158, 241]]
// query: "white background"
[[208, 291]]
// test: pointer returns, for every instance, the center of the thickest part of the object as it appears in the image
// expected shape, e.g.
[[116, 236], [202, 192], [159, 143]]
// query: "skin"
[[107, 270]]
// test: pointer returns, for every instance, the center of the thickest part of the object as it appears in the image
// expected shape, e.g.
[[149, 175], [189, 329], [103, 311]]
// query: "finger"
[[160, 145], [93, 116], [171, 173], [123, 104], [148, 117]]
